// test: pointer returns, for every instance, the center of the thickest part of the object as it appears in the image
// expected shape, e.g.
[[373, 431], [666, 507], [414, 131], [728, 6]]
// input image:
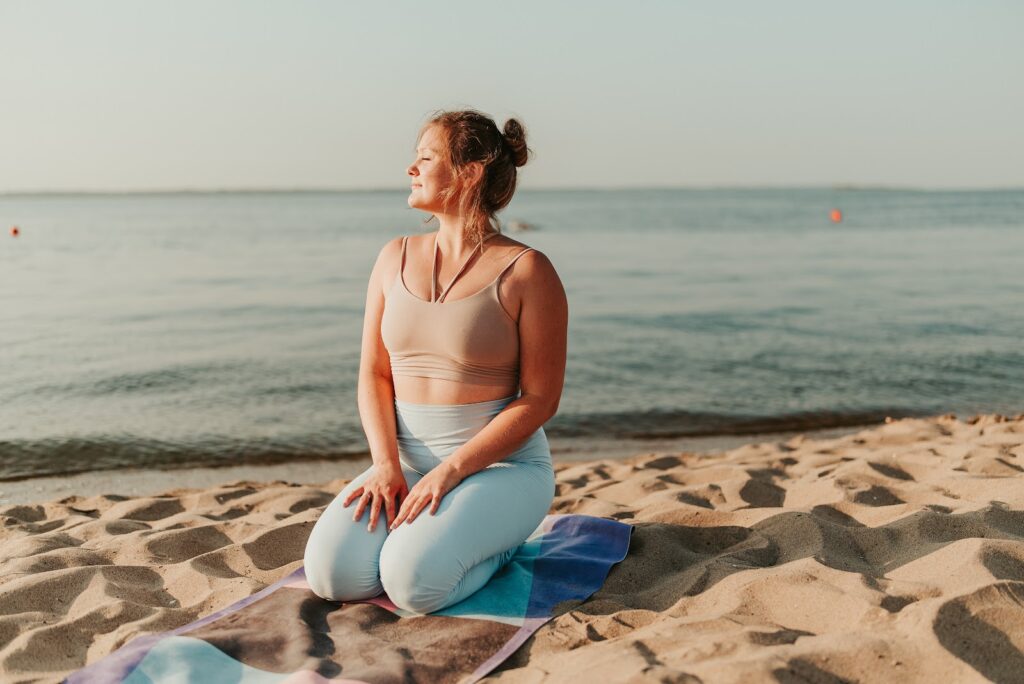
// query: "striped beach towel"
[[287, 634]]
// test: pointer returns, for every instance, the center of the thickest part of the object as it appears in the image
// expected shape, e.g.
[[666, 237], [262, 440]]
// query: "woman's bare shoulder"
[[389, 252], [533, 272], [511, 247], [388, 259], [531, 255], [536, 263]]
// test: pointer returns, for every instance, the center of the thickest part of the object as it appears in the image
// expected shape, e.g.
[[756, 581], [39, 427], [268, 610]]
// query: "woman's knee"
[[414, 582], [339, 586], [341, 557]]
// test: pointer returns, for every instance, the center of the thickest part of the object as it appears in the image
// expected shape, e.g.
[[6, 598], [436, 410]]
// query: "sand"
[[891, 553]]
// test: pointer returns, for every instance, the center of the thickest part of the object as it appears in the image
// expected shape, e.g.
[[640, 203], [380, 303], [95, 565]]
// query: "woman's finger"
[[361, 506], [398, 518], [403, 513], [374, 514], [389, 509], [351, 495], [420, 505]]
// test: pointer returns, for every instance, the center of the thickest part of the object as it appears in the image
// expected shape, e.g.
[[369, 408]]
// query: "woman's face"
[[429, 174]]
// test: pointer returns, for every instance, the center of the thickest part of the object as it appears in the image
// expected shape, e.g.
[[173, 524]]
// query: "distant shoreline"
[[580, 439], [149, 481], [839, 187]]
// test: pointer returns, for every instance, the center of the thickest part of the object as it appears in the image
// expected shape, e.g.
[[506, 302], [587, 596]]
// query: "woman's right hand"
[[386, 485]]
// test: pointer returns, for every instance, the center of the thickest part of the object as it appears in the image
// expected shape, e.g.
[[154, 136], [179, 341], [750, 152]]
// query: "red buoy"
[[836, 215], [15, 231]]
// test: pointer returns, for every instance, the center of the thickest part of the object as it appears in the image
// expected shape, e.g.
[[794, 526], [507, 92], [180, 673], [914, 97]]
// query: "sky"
[[122, 95]]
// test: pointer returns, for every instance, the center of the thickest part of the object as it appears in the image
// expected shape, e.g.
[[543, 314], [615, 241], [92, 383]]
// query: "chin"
[[415, 203]]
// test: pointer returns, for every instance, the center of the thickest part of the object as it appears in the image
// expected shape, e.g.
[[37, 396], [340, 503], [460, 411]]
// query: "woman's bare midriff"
[[436, 391]]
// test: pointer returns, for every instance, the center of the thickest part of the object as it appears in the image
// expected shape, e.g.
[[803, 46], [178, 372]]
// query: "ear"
[[474, 172]]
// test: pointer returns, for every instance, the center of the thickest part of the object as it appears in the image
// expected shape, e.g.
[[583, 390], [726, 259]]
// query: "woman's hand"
[[428, 491], [387, 486]]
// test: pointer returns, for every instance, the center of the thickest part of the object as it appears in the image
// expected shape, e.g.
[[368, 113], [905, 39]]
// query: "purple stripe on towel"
[[120, 663]]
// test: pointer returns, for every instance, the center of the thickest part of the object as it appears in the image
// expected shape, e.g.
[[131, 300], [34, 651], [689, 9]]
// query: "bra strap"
[[433, 271], [512, 261], [433, 274], [401, 264]]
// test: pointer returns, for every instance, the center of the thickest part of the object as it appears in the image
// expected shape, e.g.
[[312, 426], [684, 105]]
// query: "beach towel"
[[287, 634]]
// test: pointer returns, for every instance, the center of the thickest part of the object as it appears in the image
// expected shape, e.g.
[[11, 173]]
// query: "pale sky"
[[137, 94]]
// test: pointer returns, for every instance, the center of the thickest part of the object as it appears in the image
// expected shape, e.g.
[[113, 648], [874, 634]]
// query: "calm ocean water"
[[185, 329]]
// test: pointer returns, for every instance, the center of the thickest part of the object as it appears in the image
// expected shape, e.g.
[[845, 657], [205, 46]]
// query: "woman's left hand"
[[427, 492]]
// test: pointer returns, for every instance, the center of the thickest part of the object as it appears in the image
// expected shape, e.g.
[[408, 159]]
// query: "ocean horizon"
[[299, 190]]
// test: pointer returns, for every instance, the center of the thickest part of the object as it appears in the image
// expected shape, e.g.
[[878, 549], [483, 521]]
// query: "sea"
[[176, 330]]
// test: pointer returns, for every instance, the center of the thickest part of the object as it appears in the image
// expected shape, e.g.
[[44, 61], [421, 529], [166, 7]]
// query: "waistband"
[[468, 410], [429, 433]]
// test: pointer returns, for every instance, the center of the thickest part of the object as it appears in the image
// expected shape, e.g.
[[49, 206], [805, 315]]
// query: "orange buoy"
[[836, 215], [15, 231]]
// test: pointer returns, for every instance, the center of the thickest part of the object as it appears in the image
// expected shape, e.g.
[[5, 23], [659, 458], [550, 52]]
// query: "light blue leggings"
[[436, 560]]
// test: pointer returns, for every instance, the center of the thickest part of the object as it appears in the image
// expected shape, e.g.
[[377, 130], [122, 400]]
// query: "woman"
[[455, 384]]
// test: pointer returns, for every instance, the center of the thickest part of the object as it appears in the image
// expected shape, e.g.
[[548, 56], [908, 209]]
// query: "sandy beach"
[[888, 553]]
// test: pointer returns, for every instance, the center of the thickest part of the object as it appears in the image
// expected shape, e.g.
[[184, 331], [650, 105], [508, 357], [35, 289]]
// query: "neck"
[[452, 236]]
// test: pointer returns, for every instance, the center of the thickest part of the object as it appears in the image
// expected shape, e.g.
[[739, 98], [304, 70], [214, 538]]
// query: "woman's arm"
[[543, 338], [376, 389]]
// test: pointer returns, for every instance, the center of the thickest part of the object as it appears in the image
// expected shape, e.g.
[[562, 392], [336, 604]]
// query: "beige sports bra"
[[471, 340]]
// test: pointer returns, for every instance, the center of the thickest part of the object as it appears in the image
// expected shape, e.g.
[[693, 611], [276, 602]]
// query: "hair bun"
[[515, 138]]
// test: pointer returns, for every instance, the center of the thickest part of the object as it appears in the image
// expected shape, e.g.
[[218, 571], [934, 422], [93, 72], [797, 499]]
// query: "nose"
[[412, 170]]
